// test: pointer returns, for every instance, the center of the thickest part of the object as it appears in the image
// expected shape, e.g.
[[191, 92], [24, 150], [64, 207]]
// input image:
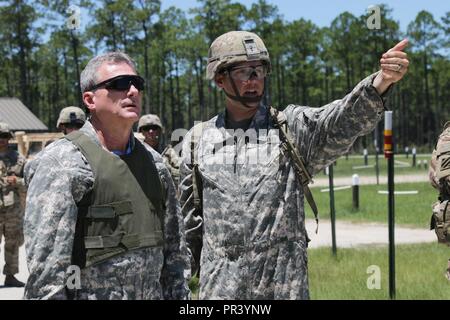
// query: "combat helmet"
[[149, 120], [71, 115], [4, 128], [232, 48]]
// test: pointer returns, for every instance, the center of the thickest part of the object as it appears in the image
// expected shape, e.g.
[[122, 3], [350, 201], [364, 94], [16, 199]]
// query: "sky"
[[322, 12]]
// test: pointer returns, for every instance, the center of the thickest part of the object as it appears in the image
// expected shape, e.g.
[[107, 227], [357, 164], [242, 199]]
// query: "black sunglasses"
[[121, 83], [150, 127], [75, 125]]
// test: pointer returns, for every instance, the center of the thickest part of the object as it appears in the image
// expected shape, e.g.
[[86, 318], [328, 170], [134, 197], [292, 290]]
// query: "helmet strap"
[[243, 100]]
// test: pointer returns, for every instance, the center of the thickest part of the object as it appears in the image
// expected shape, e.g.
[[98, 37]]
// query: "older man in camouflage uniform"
[[151, 127], [439, 174], [70, 119], [251, 230], [11, 209], [94, 205]]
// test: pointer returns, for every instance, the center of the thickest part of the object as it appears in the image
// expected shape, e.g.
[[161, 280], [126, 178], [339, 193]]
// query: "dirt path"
[[12, 293], [363, 180], [350, 235]]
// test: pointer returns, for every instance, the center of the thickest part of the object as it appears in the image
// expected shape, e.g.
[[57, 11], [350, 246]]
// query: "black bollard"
[[355, 192], [332, 211]]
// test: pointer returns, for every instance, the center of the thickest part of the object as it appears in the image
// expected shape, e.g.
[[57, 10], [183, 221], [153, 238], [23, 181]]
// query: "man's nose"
[[133, 91]]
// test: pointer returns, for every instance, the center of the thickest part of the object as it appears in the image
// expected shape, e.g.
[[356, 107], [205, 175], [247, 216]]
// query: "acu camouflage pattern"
[[58, 178], [11, 208], [251, 232], [172, 161], [439, 174]]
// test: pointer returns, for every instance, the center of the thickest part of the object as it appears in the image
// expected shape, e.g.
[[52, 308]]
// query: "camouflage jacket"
[[58, 178], [12, 164], [251, 232], [172, 162], [436, 165]]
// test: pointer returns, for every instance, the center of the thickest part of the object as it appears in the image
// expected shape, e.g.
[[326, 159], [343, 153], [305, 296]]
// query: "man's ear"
[[219, 79], [88, 99]]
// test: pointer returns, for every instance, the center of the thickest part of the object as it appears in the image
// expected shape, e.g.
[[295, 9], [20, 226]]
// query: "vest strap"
[[110, 210]]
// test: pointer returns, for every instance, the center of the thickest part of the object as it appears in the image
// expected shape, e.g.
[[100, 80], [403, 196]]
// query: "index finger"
[[400, 46]]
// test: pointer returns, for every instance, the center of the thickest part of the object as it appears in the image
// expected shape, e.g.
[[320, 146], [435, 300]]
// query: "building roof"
[[19, 117]]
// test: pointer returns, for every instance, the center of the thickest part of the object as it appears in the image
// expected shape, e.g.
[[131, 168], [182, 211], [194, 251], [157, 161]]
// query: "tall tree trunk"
[[199, 78], [279, 95], [66, 79], [22, 61], [179, 119], [172, 99], [429, 119], [148, 79], [189, 102], [74, 41]]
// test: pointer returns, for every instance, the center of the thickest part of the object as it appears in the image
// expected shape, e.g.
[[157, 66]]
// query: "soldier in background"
[[70, 119], [151, 128], [439, 174], [11, 208], [249, 222]]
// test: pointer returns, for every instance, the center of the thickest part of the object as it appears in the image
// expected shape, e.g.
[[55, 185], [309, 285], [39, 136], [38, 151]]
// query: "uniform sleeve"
[[441, 158], [19, 170], [432, 171], [324, 134], [193, 220], [49, 225], [176, 269]]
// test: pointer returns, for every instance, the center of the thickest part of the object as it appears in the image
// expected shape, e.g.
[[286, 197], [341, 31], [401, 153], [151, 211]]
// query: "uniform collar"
[[260, 119], [88, 129]]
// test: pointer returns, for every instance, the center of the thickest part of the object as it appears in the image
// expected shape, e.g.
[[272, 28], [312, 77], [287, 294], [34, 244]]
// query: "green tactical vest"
[[124, 211]]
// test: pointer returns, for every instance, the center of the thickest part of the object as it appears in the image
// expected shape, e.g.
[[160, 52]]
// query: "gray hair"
[[88, 77]]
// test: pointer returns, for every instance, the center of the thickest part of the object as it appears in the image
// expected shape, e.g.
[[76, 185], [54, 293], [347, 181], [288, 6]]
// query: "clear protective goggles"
[[245, 73]]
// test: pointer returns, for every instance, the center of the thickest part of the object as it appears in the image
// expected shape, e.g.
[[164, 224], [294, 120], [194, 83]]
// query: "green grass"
[[419, 272], [411, 210], [344, 167]]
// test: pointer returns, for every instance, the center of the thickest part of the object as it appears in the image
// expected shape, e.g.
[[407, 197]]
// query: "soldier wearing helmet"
[[244, 173], [439, 174], [151, 128], [70, 119], [11, 211]]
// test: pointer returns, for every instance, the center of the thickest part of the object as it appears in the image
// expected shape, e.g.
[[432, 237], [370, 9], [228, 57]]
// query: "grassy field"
[[346, 168], [410, 210], [419, 272]]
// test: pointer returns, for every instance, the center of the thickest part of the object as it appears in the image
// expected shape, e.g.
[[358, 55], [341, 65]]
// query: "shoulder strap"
[[287, 145], [197, 185]]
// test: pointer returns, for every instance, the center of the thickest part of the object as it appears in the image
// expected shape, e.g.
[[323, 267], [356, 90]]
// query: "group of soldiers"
[[139, 221]]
